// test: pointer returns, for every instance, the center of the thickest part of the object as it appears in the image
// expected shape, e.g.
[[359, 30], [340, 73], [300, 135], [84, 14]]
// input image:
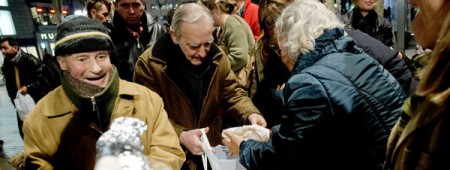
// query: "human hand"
[[233, 144], [247, 132], [23, 90], [191, 140], [280, 87], [257, 119]]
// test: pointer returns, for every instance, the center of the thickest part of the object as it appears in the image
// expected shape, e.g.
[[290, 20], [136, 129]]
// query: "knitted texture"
[[80, 34]]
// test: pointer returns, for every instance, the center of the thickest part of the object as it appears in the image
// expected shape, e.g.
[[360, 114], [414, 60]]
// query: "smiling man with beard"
[[62, 130]]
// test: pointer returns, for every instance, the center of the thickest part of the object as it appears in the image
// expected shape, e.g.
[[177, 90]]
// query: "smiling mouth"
[[95, 80]]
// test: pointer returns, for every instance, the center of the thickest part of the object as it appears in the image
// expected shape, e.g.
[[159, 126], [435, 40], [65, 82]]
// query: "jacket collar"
[[17, 57], [65, 106], [331, 41]]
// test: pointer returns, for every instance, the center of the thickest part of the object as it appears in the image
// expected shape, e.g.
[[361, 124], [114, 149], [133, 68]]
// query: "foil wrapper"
[[122, 141]]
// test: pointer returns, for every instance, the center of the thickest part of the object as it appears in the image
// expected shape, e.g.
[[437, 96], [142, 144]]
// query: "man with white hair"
[[195, 80]]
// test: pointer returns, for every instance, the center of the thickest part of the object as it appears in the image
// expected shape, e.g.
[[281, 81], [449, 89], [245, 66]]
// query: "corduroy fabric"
[[80, 34]]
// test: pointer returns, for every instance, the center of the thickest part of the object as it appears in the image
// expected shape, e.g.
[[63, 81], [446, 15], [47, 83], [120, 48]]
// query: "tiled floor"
[[9, 131]]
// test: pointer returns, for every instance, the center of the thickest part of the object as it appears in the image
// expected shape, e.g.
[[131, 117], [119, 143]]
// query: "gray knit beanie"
[[78, 34]]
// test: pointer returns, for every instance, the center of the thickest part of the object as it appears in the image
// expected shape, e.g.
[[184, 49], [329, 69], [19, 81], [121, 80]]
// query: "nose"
[[132, 10], [95, 67], [202, 51]]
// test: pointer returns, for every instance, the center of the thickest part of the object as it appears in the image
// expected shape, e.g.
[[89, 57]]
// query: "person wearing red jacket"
[[249, 11]]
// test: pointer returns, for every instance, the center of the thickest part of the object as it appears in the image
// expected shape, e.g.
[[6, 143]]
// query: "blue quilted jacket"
[[340, 107]]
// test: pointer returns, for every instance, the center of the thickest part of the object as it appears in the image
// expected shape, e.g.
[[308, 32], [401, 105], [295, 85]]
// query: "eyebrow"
[[197, 44]]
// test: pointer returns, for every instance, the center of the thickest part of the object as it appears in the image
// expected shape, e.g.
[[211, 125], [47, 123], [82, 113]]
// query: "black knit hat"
[[80, 34]]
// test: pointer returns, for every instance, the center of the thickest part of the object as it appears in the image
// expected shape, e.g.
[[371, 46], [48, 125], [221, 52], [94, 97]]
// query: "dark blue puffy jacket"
[[340, 108]]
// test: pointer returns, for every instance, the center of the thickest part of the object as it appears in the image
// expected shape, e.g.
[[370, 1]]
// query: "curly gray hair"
[[300, 24]]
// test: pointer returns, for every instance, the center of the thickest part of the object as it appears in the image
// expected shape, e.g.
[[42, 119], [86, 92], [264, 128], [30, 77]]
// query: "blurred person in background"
[[249, 11], [51, 73], [99, 10], [133, 32], [270, 73], [236, 37], [22, 73], [364, 17]]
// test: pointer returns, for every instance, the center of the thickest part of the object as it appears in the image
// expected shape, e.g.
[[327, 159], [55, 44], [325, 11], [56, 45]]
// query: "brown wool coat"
[[222, 93]]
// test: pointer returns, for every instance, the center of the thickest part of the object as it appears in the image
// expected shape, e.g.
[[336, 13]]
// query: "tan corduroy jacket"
[[55, 133]]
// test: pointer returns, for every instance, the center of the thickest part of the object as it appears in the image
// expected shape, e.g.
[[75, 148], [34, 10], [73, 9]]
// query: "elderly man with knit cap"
[[62, 130]]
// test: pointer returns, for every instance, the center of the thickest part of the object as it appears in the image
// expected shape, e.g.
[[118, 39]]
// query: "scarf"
[[94, 102]]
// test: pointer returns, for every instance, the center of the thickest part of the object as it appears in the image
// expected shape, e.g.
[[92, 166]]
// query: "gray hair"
[[301, 23], [189, 13]]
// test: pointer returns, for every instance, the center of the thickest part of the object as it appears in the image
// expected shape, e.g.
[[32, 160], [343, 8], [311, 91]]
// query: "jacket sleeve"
[[35, 156], [164, 144], [308, 108], [387, 32], [35, 84], [235, 101], [157, 32]]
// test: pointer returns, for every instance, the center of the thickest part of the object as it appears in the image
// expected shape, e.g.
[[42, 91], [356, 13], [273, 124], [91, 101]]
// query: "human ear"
[[62, 63], [173, 36]]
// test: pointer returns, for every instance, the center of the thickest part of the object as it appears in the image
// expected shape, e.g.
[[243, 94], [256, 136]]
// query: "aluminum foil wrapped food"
[[121, 146]]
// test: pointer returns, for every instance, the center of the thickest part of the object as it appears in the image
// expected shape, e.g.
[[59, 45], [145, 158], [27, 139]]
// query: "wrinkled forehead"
[[129, 1]]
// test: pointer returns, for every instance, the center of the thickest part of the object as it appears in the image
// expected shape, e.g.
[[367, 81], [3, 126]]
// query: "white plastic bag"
[[226, 161], [209, 155], [219, 160], [24, 104]]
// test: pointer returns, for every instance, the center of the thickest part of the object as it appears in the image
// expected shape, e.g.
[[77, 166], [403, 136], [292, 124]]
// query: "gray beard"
[[82, 88]]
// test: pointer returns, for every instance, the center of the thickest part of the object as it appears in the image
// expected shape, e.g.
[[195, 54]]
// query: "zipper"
[[95, 110], [93, 126]]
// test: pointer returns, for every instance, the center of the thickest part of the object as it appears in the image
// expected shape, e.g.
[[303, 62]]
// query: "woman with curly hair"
[[340, 104]]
